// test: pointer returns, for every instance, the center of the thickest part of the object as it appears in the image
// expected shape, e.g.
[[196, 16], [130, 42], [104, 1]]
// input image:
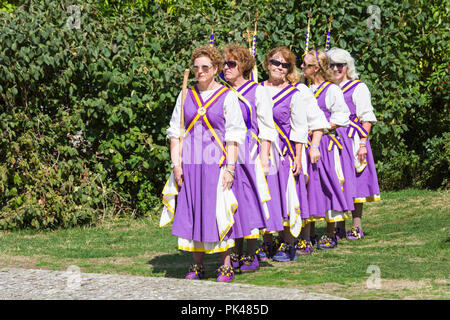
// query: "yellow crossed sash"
[[280, 132], [354, 125], [281, 96], [321, 89], [201, 112], [347, 87], [288, 142], [333, 141], [240, 96]]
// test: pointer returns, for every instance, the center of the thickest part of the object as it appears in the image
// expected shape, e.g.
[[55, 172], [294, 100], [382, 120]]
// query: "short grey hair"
[[338, 55]]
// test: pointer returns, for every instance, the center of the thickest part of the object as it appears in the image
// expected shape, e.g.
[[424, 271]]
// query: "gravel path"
[[32, 284]]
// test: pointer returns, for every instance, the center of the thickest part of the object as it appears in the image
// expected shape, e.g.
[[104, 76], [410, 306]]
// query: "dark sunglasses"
[[339, 66], [277, 63], [230, 63]]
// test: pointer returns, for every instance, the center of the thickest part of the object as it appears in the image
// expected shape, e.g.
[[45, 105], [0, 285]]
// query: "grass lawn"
[[407, 239]]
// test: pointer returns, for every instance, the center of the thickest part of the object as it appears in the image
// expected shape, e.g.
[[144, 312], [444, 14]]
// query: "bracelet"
[[315, 146], [230, 171], [231, 163], [173, 165], [362, 143]]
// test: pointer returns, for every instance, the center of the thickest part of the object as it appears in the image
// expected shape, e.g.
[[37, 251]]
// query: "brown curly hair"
[[245, 60], [323, 62], [293, 75], [212, 53]]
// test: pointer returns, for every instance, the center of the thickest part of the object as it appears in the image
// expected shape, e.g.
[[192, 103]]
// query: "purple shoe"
[[249, 264], [265, 251], [196, 272], [314, 241], [285, 253], [225, 274], [235, 261], [304, 247], [327, 242], [355, 234], [340, 233]]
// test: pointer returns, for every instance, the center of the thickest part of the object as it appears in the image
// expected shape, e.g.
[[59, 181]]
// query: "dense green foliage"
[[84, 110]]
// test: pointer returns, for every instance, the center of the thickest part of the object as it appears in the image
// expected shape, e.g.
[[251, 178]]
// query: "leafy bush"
[[85, 100]]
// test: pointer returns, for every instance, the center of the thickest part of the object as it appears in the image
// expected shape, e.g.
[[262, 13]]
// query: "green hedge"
[[84, 111]]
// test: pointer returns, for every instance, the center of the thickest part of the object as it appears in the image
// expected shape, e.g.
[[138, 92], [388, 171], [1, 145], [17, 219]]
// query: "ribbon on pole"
[[211, 38], [328, 34], [254, 73], [308, 33]]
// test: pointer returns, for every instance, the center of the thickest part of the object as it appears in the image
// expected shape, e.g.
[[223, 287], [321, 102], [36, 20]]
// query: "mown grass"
[[407, 239]]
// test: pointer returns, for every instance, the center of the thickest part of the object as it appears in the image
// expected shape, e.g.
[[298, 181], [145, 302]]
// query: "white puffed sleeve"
[[264, 106], [299, 120], [315, 117], [337, 106], [363, 102], [235, 129], [174, 126]]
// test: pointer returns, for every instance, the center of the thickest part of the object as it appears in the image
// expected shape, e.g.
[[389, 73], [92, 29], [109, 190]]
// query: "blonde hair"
[[293, 75], [338, 55], [324, 65], [245, 60], [210, 52]]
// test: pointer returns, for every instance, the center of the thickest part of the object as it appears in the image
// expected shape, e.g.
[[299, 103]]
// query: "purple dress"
[[366, 183], [326, 186], [278, 180], [250, 213], [203, 155]]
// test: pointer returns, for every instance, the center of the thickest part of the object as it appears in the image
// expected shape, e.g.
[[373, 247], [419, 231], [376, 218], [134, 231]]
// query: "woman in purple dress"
[[329, 189], [204, 219], [288, 207], [250, 186], [358, 99]]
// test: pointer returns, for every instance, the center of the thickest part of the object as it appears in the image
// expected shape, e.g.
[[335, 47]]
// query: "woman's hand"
[[178, 175], [314, 155], [297, 166], [228, 177], [362, 153], [265, 164]]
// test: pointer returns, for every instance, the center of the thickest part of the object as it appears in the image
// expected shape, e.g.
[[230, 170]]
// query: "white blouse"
[[264, 106], [336, 105], [316, 118], [235, 129], [298, 119], [362, 99]]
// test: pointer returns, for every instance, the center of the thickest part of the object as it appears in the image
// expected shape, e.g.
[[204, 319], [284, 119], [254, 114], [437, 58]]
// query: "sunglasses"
[[230, 63], [202, 68], [308, 64], [277, 63], [339, 66]]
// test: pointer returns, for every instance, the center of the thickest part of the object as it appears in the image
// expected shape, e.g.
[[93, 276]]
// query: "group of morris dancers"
[[251, 159]]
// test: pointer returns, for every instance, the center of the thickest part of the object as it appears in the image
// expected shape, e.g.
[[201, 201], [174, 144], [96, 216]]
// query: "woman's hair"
[[338, 55], [324, 65], [245, 60], [293, 75], [212, 53]]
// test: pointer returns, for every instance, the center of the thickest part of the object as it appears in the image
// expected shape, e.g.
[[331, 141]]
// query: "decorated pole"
[[308, 33], [211, 38], [328, 34], [254, 73], [183, 98]]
